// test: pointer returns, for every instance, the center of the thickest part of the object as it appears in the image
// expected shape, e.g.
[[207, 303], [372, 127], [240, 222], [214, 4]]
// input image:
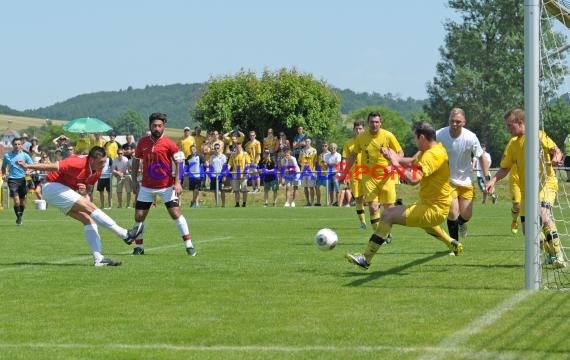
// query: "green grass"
[[260, 289]]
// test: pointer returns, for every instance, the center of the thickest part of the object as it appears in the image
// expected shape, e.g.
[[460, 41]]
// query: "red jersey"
[[74, 170], [157, 157]]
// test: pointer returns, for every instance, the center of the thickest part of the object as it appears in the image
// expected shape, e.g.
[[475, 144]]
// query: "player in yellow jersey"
[[550, 155], [429, 168], [356, 179], [379, 186]]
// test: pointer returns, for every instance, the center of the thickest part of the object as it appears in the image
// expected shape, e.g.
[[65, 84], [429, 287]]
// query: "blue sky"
[[54, 50]]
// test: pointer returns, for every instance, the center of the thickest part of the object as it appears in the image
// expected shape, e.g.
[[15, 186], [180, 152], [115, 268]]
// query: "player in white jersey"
[[461, 145]]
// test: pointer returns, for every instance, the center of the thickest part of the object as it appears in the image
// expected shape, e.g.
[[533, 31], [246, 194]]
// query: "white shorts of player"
[[147, 194], [61, 196]]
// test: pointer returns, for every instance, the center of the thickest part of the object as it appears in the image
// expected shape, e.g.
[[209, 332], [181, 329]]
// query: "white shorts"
[[61, 196], [167, 194]]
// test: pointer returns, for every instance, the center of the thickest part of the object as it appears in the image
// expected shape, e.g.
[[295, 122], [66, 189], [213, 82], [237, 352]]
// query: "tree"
[[283, 100], [130, 122], [482, 68]]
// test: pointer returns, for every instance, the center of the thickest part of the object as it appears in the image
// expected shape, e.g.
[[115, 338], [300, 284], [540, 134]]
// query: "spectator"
[[112, 146], [237, 164], [104, 183], [307, 161], [194, 170], [122, 171], [218, 161], [290, 171], [332, 159], [299, 142], [253, 149], [268, 169]]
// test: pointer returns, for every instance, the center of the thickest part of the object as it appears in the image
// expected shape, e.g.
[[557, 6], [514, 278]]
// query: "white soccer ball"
[[326, 239]]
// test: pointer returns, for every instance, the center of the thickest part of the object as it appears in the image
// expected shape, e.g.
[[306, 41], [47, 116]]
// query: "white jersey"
[[477, 164], [460, 151]]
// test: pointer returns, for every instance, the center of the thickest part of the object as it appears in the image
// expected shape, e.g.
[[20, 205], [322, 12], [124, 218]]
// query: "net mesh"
[[555, 16]]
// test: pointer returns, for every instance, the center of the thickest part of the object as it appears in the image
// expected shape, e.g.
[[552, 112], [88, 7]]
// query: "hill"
[[22, 122], [178, 100]]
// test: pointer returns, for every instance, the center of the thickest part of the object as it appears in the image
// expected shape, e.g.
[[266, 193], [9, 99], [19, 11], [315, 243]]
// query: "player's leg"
[[170, 200]]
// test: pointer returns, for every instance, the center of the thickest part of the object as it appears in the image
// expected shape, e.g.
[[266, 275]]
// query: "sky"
[[55, 50]]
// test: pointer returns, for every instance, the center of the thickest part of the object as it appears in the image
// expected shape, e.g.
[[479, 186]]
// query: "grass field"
[[260, 289]]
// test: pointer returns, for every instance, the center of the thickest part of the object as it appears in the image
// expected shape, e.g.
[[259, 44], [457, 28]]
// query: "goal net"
[[555, 18]]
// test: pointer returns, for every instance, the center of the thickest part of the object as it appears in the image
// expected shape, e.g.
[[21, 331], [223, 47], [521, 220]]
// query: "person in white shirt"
[[332, 159], [104, 183], [476, 166], [218, 162], [461, 145], [122, 171], [290, 173]]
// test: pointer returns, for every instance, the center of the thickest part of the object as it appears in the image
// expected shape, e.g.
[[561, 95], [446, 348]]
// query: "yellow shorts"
[[425, 216], [515, 190], [546, 196], [465, 192], [381, 191], [356, 187]]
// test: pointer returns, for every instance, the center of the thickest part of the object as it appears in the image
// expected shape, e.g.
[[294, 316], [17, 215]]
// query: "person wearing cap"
[[112, 147], [26, 144], [186, 142], [62, 143], [35, 152]]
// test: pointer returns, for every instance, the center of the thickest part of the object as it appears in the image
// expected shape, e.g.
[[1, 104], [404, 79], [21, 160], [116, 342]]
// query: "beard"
[[156, 134]]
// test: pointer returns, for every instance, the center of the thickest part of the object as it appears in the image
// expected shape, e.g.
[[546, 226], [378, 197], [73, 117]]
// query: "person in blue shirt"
[[16, 176]]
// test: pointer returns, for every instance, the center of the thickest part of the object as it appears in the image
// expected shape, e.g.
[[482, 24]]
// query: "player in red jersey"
[[66, 189], [158, 153]]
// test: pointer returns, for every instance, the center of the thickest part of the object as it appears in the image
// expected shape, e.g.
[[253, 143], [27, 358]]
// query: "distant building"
[[6, 140]]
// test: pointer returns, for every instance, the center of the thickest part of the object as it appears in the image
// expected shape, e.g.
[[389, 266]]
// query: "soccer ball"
[[326, 239]]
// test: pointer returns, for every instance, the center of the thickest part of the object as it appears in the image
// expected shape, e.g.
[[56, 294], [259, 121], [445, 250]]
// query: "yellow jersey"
[[308, 158], [514, 156], [253, 149], [237, 164], [185, 143], [347, 149], [369, 146], [434, 186]]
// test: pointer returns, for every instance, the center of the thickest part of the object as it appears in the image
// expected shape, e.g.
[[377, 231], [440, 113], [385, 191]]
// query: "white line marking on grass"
[[454, 342], [83, 258], [483, 354]]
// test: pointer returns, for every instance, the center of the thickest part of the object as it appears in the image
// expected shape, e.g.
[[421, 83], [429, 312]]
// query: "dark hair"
[[157, 116], [426, 129], [16, 139], [97, 151], [374, 114], [358, 122]]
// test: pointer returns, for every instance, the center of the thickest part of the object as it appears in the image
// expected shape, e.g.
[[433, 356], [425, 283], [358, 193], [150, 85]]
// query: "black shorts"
[[213, 184], [194, 184], [17, 187], [104, 184], [567, 161]]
